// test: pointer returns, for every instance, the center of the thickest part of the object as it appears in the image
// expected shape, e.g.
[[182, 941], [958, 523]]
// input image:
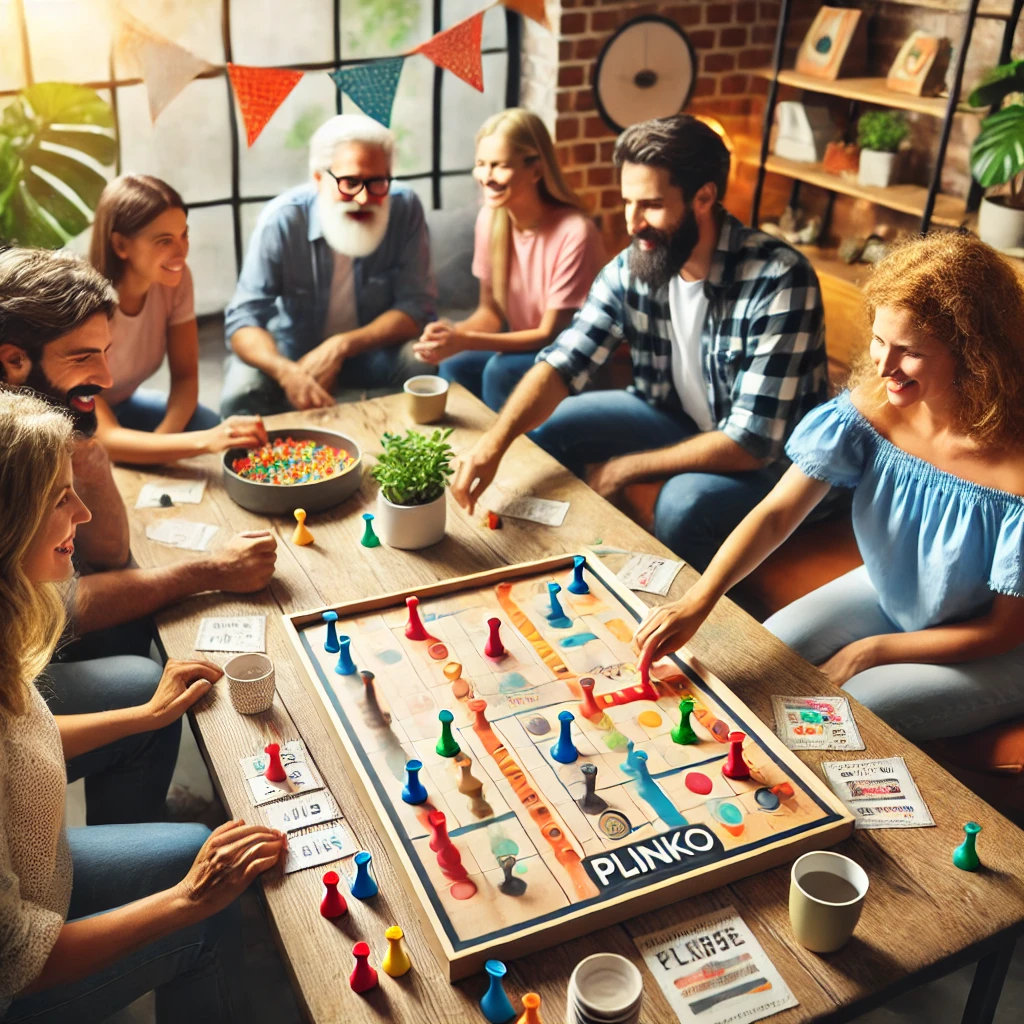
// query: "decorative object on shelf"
[[647, 69], [997, 156], [842, 158], [795, 227], [835, 44], [920, 67], [802, 132], [862, 249], [879, 134]]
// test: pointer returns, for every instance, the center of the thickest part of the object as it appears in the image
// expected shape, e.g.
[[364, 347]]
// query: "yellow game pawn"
[[531, 1009], [301, 535], [396, 960]]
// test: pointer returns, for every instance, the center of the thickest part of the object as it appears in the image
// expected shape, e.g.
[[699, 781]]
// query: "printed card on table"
[[536, 510], [714, 971], [182, 533], [239, 634], [320, 847], [181, 492], [301, 778], [880, 793], [302, 811], [816, 723], [651, 574]]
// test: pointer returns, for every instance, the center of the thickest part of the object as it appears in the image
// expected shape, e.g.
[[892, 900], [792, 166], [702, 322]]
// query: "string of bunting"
[[166, 68]]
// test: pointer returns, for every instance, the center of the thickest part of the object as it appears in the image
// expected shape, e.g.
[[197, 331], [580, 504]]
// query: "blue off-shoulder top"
[[936, 546]]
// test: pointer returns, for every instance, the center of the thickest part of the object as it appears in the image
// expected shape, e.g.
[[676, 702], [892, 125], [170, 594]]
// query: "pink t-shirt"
[[551, 267]]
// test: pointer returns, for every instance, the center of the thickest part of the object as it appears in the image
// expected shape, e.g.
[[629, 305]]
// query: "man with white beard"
[[336, 285]]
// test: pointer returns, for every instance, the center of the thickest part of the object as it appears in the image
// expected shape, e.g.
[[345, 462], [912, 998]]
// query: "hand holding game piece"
[[413, 792], [333, 904], [495, 1005], [965, 856], [510, 886], [301, 536], [494, 648], [564, 751], [363, 976], [275, 770], [531, 1009], [396, 960], [331, 643], [447, 746], [683, 732], [414, 627], [579, 584], [364, 885], [369, 538], [735, 767], [346, 666]]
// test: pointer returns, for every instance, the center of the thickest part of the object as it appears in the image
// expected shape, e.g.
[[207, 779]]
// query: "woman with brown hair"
[[140, 244], [930, 439]]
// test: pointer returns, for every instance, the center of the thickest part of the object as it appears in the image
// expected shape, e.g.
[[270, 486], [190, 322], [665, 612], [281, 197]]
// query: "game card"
[[816, 723], [181, 492], [301, 778], [302, 811], [714, 971], [651, 574], [182, 533], [320, 847], [880, 793], [240, 634], [536, 510]]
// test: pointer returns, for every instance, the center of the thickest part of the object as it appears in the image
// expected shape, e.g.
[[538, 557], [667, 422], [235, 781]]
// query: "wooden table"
[[922, 919]]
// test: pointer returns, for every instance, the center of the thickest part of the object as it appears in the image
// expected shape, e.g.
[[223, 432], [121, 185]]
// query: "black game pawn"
[[511, 886], [590, 802]]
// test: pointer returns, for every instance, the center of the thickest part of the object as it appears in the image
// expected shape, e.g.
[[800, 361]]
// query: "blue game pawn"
[[413, 792], [331, 643], [495, 1004], [564, 752], [346, 666], [556, 608], [364, 885], [579, 584]]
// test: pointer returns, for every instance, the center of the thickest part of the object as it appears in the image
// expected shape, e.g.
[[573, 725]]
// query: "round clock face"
[[645, 70]]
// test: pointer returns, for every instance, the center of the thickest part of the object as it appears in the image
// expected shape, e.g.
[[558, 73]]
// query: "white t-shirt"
[[341, 307], [688, 306]]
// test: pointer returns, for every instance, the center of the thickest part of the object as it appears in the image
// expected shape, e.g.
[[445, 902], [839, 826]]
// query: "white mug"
[[826, 895], [250, 682]]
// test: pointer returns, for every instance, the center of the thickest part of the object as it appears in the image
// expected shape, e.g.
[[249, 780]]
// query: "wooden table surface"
[[921, 917]]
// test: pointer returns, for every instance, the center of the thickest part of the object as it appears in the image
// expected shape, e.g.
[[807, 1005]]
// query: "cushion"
[[451, 252]]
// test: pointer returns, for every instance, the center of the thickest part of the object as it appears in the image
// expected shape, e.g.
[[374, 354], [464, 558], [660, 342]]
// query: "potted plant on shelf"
[[997, 156], [879, 134], [413, 472]]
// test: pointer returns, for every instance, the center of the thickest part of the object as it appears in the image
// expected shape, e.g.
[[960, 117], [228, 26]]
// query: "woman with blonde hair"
[[536, 254], [92, 918], [930, 439]]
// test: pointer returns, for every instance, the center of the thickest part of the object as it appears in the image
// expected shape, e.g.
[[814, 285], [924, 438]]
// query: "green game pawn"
[[683, 733], [965, 857], [369, 538], [446, 745]]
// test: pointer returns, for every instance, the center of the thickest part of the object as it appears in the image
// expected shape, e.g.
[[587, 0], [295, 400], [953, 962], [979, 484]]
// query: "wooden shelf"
[[999, 9], [827, 261]]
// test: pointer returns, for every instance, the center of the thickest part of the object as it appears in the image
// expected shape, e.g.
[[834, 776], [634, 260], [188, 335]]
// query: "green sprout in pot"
[[882, 131], [414, 469]]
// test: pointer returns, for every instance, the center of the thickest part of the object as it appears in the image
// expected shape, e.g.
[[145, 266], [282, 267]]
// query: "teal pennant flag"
[[372, 86]]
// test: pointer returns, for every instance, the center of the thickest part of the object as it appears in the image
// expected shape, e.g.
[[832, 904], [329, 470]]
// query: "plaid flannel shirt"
[[762, 345]]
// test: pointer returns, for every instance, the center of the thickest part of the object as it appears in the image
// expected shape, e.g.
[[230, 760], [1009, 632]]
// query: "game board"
[[660, 821]]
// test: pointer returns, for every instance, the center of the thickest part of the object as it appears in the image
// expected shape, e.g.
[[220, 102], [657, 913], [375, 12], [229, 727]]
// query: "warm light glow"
[[717, 127]]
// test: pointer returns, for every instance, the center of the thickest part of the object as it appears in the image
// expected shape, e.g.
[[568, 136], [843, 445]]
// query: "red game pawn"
[[647, 690], [494, 648], [414, 627], [479, 708], [589, 708], [735, 767], [438, 825], [275, 770], [363, 976], [333, 904]]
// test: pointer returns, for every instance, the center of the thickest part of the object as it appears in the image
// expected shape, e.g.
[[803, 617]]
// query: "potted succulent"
[[413, 472], [879, 134], [997, 156]]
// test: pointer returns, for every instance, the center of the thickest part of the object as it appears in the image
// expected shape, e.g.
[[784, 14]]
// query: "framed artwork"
[[834, 45], [920, 66]]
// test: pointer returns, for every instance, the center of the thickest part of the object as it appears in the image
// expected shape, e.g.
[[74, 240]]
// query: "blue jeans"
[[695, 512], [125, 781], [923, 702], [145, 409], [491, 376], [196, 971]]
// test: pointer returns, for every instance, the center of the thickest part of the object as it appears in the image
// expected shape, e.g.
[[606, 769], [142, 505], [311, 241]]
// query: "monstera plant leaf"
[[52, 138], [997, 155], [998, 83]]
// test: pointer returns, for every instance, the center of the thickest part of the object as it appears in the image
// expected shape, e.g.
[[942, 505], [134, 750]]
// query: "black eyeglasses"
[[349, 188]]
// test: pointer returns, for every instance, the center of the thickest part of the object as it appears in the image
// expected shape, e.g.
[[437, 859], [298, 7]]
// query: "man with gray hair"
[[336, 285]]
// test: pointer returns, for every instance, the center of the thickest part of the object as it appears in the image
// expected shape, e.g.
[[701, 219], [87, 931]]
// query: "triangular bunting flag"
[[166, 67], [457, 50], [260, 91], [535, 9], [372, 86]]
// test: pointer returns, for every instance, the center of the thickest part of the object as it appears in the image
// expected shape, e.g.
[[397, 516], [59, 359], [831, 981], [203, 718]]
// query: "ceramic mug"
[[826, 895], [250, 682], [427, 396]]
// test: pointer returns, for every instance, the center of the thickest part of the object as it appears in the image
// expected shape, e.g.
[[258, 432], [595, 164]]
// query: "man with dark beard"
[[725, 331]]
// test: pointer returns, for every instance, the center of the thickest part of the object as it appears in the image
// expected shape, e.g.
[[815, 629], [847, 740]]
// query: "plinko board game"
[[530, 785]]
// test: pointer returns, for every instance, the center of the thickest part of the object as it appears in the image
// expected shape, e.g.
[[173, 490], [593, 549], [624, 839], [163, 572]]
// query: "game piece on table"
[[413, 792], [346, 666], [579, 584], [438, 825], [511, 885], [564, 751], [683, 732], [453, 673], [479, 708], [556, 612], [414, 627], [589, 707], [448, 857], [363, 976], [735, 767], [630, 765], [333, 904], [493, 521], [369, 539], [531, 1009], [275, 770], [331, 643], [301, 536], [494, 648], [165, 501], [590, 802], [396, 960], [364, 885], [495, 1004], [447, 746], [965, 856]]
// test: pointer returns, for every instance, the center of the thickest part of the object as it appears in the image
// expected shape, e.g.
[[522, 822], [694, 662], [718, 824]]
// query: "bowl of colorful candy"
[[300, 467]]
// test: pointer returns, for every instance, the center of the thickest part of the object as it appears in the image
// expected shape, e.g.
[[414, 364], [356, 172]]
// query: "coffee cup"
[[604, 989], [250, 683], [428, 395], [826, 895]]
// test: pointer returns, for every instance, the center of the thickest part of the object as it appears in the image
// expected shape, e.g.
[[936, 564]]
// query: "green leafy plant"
[[882, 130], [997, 156], [414, 470], [53, 137]]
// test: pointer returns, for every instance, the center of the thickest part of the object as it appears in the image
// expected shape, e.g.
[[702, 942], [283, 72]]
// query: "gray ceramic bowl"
[[274, 499]]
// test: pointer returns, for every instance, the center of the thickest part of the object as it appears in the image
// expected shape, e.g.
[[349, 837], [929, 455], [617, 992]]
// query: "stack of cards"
[[880, 793], [816, 723]]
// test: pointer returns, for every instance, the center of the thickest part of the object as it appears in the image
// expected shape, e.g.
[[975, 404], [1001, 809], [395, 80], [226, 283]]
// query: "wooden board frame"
[[459, 963]]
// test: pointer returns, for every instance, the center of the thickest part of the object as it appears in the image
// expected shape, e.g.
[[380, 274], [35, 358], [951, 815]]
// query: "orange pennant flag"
[[457, 49], [260, 91], [534, 9]]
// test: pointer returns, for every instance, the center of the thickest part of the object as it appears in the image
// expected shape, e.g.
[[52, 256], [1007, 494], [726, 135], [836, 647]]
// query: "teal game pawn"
[[965, 856], [364, 885], [369, 538], [447, 745], [346, 666], [578, 584], [495, 1003], [683, 733], [331, 643], [413, 792], [564, 751]]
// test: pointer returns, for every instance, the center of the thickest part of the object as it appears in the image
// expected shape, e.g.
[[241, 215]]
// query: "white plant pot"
[[410, 526], [876, 168], [1000, 225]]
